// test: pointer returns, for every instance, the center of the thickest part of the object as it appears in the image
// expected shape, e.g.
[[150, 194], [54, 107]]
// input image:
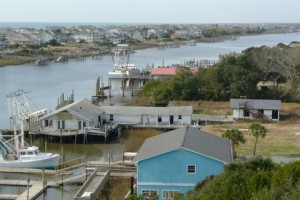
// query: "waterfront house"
[[72, 118], [177, 160], [148, 116], [255, 108]]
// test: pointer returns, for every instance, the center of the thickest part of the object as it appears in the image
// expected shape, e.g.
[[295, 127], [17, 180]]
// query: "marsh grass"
[[115, 189], [11, 61], [134, 138]]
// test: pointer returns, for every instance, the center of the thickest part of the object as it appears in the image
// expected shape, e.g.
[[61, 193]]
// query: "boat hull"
[[41, 163]]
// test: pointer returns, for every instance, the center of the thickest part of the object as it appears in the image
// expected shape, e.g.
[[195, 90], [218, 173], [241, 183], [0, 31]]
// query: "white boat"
[[122, 68], [17, 155], [29, 157]]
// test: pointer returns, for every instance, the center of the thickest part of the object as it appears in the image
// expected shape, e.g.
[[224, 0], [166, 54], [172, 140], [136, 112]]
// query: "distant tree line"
[[235, 76]]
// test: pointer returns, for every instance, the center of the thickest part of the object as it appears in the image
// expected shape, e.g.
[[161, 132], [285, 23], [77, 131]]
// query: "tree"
[[257, 130], [235, 136]]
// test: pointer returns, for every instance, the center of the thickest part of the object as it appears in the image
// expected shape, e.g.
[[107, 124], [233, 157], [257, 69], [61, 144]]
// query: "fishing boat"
[[122, 67], [14, 153], [27, 157], [124, 76]]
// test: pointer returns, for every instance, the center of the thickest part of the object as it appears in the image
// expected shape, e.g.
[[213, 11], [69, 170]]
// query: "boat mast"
[[20, 112], [13, 117]]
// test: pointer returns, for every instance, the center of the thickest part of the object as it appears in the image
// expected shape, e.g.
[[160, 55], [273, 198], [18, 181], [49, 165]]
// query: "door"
[[171, 119]]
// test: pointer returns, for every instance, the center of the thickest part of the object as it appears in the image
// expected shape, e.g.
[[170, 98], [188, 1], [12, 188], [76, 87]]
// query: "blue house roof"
[[189, 138]]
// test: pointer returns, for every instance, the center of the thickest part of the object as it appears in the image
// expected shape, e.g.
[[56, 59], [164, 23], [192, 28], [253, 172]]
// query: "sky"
[[151, 11]]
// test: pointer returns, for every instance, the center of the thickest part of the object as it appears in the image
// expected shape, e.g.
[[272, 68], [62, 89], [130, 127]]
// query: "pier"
[[34, 188], [93, 186], [93, 176]]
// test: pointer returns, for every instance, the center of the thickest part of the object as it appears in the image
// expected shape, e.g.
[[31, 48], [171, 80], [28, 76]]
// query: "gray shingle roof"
[[82, 108], [189, 138], [265, 104], [134, 110]]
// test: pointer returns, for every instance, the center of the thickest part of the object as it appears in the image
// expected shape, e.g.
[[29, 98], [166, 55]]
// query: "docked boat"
[[122, 67], [14, 153], [29, 157]]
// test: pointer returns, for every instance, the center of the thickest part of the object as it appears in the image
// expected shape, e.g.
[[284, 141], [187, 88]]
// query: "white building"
[[255, 108], [148, 116], [72, 117], [78, 115]]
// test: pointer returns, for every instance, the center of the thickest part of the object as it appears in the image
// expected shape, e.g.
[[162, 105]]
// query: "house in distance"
[[244, 108]]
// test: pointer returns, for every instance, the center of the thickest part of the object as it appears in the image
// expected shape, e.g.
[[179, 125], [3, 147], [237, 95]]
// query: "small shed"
[[256, 108]]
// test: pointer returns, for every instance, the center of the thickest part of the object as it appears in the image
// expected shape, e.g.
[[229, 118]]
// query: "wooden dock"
[[34, 191], [26, 171], [8, 196], [35, 188], [93, 179], [93, 186]]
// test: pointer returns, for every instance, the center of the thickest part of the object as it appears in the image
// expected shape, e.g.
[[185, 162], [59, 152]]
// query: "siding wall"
[[152, 119], [71, 123], [239, 114], [169, 171]]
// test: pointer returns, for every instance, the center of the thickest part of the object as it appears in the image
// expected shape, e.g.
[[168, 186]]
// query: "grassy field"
[[283, 137]]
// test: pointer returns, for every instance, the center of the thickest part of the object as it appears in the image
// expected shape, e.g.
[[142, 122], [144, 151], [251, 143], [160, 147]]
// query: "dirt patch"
[[206, 107]]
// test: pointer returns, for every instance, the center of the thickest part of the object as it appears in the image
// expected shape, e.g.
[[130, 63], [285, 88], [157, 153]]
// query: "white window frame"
[[192, 165], [151, 192], [172, 194]]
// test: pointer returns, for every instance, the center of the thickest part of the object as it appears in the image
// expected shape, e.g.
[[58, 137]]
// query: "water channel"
[[46, 83]]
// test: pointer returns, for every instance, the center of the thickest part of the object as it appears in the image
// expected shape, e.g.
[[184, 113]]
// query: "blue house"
[[177, 160]]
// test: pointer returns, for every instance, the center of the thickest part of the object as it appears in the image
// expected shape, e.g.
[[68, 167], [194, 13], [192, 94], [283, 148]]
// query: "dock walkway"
[[35, 190], [93, 186]]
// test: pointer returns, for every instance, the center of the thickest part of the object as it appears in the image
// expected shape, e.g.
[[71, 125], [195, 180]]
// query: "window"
[[191, 169], [169, 194], [63, 124], [149, 193], [179, 117], [261, 111], [111, 117], [58, 124], [46, 123], [83, 124], [79, 125], [159, 118]]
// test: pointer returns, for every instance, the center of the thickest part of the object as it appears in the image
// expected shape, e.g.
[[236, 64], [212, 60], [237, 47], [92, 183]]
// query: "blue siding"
[[169, 171]]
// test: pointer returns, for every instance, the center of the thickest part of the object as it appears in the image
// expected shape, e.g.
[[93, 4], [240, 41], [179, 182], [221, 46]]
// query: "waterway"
[[46, 83]]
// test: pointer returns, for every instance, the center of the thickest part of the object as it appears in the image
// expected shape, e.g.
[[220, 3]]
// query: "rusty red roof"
[[168, 70]]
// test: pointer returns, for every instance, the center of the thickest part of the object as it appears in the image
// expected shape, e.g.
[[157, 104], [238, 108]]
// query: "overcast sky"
[[151, 11]]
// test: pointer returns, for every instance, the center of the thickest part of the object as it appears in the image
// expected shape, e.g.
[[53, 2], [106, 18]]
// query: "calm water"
[[46, 84]]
